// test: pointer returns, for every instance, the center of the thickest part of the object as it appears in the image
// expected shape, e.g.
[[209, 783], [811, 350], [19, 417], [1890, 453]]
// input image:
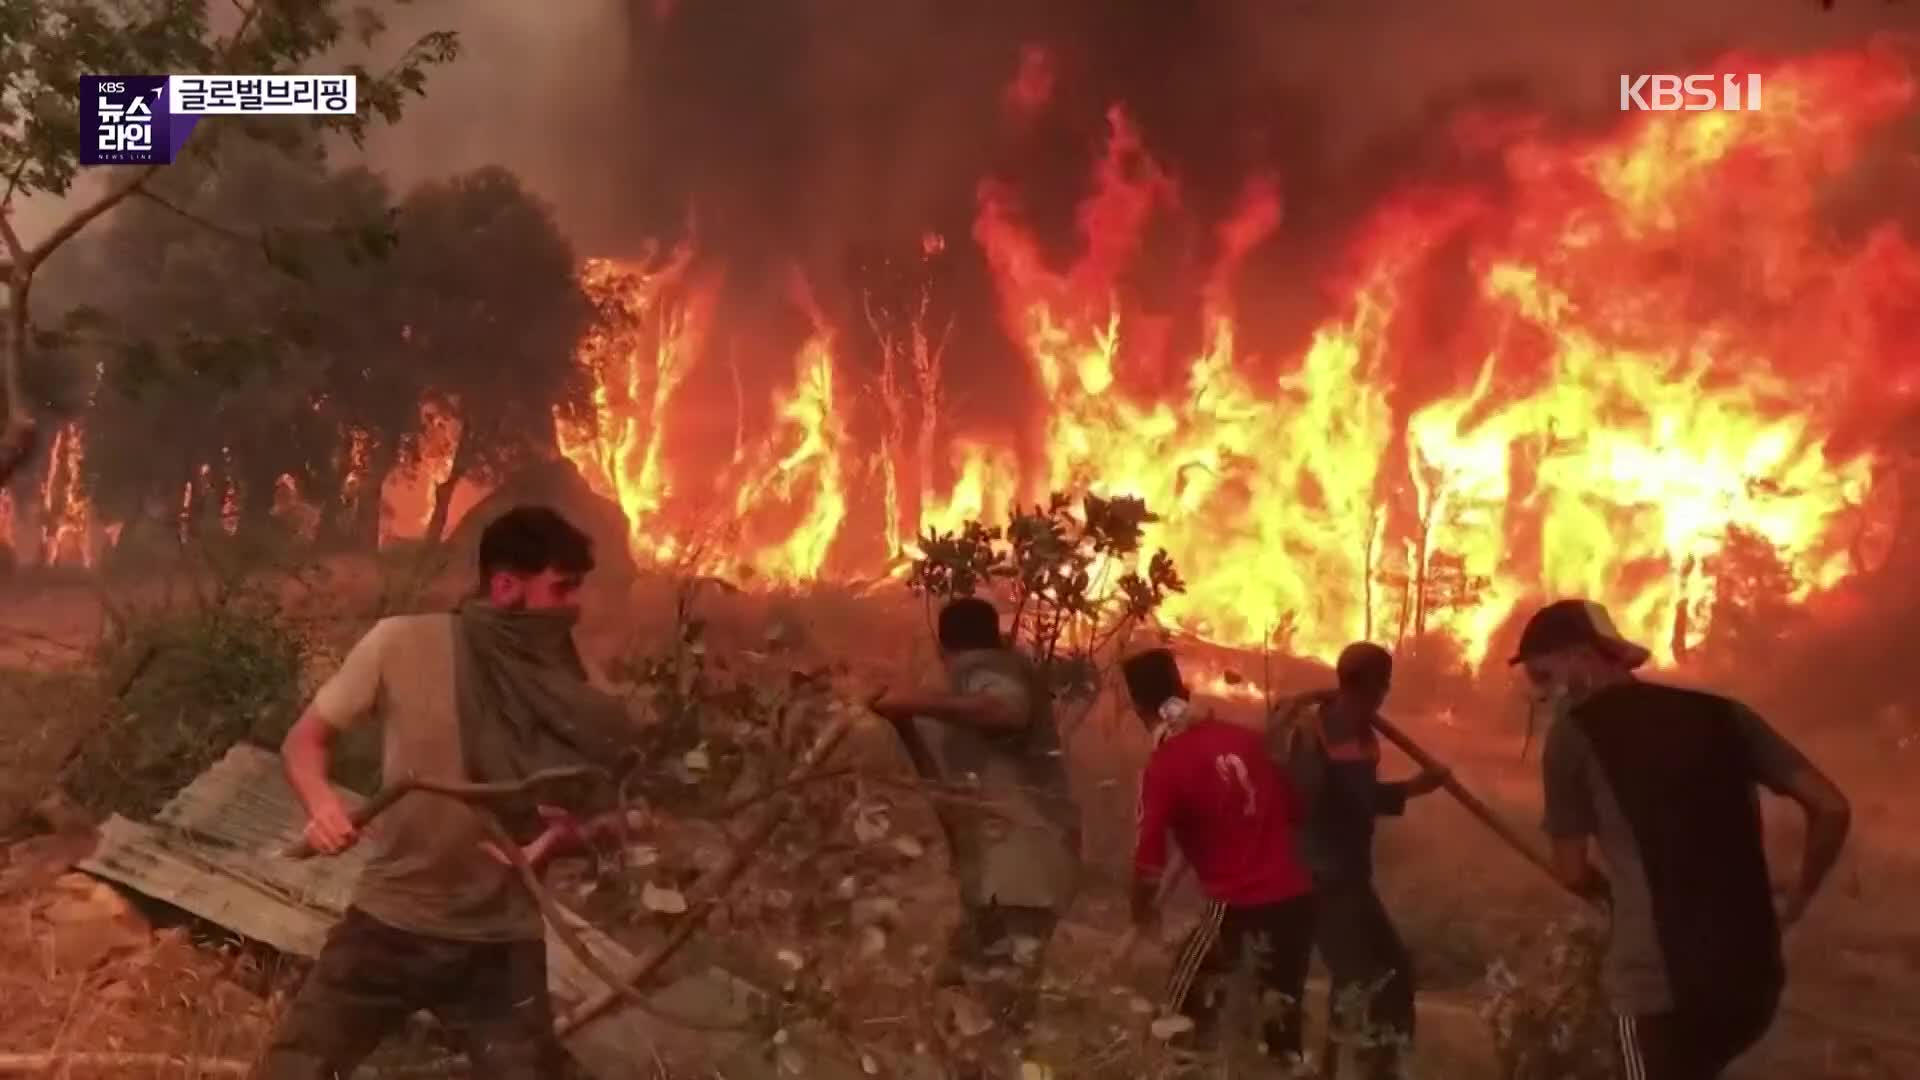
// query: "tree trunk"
[[17, 427], [1366, 578], [443, 491], [1419, 577], [17, 430], [370, 500], [1680, 627]]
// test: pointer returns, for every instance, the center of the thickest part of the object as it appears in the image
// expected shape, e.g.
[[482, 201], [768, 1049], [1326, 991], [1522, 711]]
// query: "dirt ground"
[[1463, 900]]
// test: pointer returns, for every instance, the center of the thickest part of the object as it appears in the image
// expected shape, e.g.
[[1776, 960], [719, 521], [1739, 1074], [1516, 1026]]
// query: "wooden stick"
[[391, 794], [714, 887], [1474, 806]]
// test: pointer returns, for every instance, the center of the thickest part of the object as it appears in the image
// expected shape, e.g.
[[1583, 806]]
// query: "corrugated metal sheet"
[[211, 851]]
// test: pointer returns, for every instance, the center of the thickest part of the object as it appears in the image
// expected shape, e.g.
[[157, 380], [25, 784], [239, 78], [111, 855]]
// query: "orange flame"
[[1654, 346], [66, 513]]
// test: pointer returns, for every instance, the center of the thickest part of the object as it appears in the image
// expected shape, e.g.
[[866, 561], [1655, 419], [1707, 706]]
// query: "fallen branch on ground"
[[29, 1064]]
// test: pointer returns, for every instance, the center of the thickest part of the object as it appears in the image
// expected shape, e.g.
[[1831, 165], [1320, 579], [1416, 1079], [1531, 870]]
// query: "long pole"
[[1464, 797]]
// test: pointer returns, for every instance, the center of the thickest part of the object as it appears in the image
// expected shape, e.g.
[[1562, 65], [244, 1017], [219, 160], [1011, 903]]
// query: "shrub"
[[1555, 1025], [208, 678], [1075, 595]]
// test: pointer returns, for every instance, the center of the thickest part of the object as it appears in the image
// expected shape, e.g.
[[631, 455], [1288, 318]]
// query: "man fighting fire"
[[1016, 852], [1666, 781], [440, 920], [1333, 755], [1233, 814]]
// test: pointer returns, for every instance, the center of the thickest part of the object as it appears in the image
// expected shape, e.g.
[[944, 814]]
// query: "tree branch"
[[205, 223], [67, 229], [13, 180]]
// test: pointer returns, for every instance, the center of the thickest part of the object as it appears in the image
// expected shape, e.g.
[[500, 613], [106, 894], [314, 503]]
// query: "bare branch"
[[114, 196], [247, 14], [16, 254], [205, 223], [13, 180]]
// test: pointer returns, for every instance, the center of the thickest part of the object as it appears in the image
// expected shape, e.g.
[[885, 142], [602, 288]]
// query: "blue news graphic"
[[125, 120]]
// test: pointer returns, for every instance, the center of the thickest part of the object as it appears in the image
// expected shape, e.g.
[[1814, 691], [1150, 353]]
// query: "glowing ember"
[[1654, 347]]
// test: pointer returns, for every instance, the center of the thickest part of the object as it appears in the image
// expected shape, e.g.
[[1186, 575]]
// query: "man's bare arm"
[[305, 755], [984, 711], [1829, 818], [1574, 871]]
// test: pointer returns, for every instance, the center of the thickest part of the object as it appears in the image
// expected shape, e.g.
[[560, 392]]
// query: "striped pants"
[[1693, 1043], [1274, 940]]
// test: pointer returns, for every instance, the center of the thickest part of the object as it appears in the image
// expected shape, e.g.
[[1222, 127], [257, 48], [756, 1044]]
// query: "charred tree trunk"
[[1419, 578], [1366, 577], [457, 469]]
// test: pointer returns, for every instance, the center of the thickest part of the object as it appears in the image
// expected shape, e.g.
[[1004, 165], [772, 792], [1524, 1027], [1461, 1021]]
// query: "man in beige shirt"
[[439, 919]]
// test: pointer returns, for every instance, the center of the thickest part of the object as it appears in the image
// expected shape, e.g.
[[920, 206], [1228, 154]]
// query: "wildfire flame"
[[1655, 347]]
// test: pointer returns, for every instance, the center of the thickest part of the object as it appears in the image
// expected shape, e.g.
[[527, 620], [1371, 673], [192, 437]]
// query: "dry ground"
[[1853, 1008]]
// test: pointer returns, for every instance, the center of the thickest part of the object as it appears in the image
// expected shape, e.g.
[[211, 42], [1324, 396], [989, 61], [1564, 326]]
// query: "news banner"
[[145, 119]]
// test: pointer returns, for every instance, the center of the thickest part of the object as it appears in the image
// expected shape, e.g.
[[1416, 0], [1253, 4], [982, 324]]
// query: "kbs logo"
[[1691, 93]]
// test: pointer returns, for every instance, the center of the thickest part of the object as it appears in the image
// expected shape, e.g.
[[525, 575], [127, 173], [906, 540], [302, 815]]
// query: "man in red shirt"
[[1213, 785]]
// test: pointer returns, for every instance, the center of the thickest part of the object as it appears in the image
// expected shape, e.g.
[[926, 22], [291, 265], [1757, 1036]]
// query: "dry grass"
[[1461, 899], [170, 996]]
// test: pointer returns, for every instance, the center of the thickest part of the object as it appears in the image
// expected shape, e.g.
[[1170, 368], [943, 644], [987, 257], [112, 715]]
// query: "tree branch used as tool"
[[714, 887], [465, 792]]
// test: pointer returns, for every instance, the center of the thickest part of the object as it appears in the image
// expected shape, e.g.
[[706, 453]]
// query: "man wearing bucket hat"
[[1665, 781]]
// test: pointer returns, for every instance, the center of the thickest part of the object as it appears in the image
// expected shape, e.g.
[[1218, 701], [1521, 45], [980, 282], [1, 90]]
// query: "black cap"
[[1152, 677], [1364, 664], [1566, 623]]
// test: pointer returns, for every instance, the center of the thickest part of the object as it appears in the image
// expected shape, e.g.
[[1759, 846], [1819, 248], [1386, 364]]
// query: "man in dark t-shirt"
[[1333, 755], [1665, 781]]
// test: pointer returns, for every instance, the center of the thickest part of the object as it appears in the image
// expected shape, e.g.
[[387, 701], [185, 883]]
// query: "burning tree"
[[44, 50], [494, 313], [1752, 611], [1072, 601]]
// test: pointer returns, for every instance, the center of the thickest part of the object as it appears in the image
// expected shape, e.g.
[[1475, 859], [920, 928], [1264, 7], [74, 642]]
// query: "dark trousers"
[[1276, 940], [1693, 1043], [370, 977], [1372, 981]]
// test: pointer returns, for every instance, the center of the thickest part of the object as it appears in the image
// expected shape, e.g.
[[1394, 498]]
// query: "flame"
[[799, 469], [1655, 342], [639, 356], [66, 512]]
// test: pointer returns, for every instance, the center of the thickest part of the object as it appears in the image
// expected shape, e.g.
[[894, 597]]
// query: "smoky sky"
[[818, 129], [830, 135]]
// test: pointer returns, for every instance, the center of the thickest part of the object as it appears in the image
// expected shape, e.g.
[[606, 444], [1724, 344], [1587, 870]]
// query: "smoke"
[[831, 135], [807, 128]]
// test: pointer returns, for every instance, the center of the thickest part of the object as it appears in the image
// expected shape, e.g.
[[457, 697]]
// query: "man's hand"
[[329, 828], [563, 833], [1428, 782]]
